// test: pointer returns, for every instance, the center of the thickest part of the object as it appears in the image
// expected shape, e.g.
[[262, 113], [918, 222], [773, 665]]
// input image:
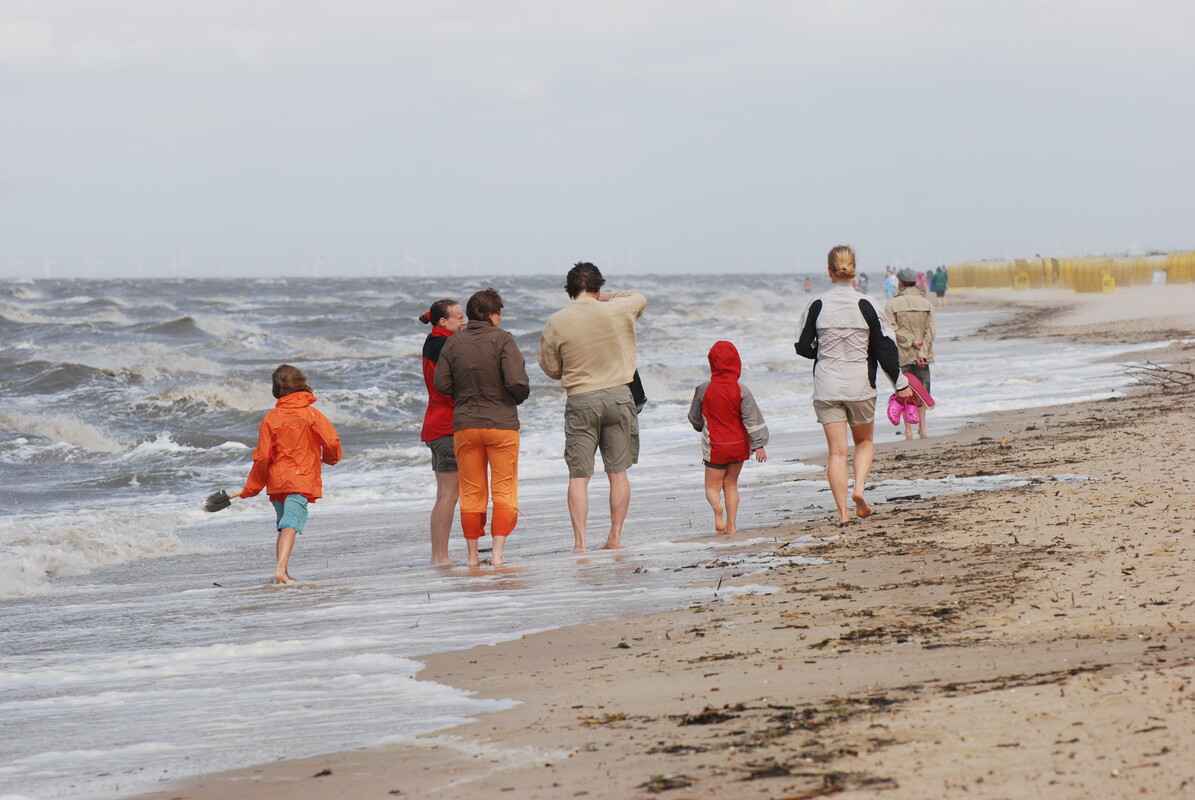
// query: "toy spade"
[[219, 500]]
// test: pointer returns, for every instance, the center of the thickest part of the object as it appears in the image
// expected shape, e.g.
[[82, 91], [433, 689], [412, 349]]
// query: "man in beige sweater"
[[589, 346], [912, 318]]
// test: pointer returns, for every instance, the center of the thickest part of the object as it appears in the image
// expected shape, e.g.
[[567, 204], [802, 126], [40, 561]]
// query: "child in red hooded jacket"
[[292, 441], [732, 429]]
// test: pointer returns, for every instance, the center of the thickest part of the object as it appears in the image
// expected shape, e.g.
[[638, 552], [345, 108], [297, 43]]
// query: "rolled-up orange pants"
[[487, 459]]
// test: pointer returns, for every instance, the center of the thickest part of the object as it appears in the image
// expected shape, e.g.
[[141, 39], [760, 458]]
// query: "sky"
[[242, 138]]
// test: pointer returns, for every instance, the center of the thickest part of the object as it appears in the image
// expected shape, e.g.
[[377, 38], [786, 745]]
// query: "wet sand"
[[1035, 641]]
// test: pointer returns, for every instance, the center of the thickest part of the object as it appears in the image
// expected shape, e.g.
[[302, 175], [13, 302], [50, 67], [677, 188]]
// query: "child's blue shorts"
[[292, 513]]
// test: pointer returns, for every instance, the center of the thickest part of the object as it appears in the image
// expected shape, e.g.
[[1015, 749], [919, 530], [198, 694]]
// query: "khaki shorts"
[[443, 454], [852, 412], [603, 419]]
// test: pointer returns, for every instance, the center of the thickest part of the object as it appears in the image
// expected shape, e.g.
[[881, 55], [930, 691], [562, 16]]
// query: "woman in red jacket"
[[446, 318], [292, 441]]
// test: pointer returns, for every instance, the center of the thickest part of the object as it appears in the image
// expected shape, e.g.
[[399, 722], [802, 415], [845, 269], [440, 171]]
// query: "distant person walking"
[[292, 441], [732, 429], [482, 370], [446, 318], [911, 316], [845, 334], [589, 346], [939, 286], [891, 284]]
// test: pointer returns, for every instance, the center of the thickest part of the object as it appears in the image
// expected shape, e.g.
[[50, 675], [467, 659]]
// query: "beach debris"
[[605, 719], [1156, 375], [662, 783], [323, 773], [707, 716]]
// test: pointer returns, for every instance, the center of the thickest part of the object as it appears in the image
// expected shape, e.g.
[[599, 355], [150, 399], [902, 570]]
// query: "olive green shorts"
[[604, 420], [852, 412]]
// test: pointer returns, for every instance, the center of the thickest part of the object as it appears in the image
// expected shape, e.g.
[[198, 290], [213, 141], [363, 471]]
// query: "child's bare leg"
[[730, 490], [285, 546], [474, 558], [499, 546], [714, 478], [921, 425]]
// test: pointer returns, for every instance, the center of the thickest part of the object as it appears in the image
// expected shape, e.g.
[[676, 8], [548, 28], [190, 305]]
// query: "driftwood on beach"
[[1165, 378]]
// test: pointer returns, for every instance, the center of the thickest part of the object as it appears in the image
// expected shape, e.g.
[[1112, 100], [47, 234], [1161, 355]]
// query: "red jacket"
[[292, 441], [437, 420], [725, 411]]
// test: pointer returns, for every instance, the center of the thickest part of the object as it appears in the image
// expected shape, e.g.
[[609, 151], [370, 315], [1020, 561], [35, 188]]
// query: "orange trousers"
[[487, 459]]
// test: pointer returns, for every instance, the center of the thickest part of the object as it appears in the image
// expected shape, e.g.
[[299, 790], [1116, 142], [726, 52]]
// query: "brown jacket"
[[482, 369]]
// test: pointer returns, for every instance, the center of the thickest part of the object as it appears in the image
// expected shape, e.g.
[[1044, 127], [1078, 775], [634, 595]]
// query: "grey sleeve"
[[696, 418], [757, 429]]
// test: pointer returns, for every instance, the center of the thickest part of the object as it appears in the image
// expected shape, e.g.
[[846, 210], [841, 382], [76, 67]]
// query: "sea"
[[140, 640]]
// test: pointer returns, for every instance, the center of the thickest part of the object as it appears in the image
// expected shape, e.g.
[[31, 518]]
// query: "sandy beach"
[[1034, 641]]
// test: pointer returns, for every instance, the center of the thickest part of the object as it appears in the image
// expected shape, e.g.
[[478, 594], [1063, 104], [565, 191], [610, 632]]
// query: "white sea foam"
[[62, 430], [35, 549]]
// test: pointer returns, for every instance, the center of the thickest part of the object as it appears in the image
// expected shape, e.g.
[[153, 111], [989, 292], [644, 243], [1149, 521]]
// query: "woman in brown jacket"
[[483, 371]]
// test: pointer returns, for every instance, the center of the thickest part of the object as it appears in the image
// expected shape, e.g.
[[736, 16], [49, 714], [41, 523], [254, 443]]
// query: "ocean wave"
[[59, 377], [62, 429], [183, 328], [230, 395], [35, 550], [106, 316]]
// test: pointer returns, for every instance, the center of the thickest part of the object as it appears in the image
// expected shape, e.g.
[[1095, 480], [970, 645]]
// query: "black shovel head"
[[216, 501]]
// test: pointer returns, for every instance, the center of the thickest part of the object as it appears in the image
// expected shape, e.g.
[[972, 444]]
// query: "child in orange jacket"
[[292, 441]]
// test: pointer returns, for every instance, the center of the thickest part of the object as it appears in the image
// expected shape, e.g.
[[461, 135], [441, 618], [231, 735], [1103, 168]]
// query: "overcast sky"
[[264, 137]]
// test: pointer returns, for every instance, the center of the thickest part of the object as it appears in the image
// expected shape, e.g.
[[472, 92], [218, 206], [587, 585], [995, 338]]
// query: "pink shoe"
[[896, 409], [912, 416]]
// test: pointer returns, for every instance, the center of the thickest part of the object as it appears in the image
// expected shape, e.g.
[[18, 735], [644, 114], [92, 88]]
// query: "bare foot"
[[862, 509], [580, 549], [719, 519], [612, 545], [497, 562], [283, 578], [442, 562], [473, 562], [730, 532]]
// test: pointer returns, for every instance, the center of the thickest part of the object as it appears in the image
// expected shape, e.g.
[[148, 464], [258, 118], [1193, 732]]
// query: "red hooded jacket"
[[437, 420], [721, 406]]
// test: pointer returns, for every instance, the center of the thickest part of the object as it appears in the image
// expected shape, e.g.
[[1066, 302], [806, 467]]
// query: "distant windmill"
[[407, 261], [12, 263], [377, 267], [316, 263], [179, 267], [89, 262], [46, 264]]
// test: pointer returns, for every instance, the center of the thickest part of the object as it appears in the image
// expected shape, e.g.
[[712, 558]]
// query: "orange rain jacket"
[[292, 441]]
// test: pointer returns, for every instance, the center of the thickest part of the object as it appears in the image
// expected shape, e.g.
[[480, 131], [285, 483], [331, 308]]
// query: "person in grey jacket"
[[482, 370], [849, 341]]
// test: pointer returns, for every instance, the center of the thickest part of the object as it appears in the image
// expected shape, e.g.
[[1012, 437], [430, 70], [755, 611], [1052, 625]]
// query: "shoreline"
[[932, 655]]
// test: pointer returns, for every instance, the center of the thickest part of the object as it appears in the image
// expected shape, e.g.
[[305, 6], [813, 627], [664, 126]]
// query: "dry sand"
[[1032, 642]]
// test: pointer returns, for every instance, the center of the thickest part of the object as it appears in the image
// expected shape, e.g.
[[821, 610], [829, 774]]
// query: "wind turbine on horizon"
[[89, 262]]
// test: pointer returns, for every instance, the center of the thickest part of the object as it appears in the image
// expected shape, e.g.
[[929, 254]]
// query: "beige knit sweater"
[[590, 344]]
